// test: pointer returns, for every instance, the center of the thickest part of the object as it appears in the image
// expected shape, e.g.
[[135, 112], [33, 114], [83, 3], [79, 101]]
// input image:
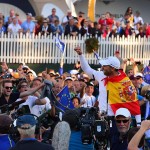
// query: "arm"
[[133, 144], [84, 64], [30, 91], [40, 101]]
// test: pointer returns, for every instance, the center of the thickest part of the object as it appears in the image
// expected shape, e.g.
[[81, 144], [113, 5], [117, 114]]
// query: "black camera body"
[[147, 95], [92, 128]]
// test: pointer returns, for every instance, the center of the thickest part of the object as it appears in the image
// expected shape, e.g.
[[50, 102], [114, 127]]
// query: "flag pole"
[[62, 57]]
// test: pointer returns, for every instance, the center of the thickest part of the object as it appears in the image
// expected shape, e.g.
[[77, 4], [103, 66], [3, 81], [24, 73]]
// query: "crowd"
[[107, 26], [24, 92], [31, 113]]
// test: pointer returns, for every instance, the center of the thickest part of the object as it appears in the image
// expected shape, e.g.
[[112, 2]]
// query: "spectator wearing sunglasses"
[[8, 97], [123, 121]]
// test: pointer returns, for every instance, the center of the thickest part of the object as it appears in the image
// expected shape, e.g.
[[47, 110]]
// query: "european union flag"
[[60, 44], [65, 100]]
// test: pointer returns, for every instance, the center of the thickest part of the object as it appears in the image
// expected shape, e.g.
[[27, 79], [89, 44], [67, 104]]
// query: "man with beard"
[[115, 88]]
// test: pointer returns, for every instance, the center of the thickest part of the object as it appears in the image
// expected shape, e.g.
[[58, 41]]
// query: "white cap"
[[29, 14], [25, 66], [110, 61], [123, 112], [68, 78], [74, 71], [138, 75]]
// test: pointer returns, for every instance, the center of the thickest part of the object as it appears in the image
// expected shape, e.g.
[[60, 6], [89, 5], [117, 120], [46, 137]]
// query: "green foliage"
[[91, 44]]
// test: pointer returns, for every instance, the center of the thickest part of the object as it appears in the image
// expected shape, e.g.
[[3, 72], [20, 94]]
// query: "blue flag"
[[65, 99], [60, 44]]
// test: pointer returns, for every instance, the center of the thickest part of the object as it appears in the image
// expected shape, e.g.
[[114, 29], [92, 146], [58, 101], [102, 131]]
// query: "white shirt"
[[138, 19], [89, 100], [30, 102], [14, 28], [40, 109], [99, 76]]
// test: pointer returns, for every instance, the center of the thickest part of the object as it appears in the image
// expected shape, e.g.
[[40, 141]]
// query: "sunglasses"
[[124, 121], [7, 87]]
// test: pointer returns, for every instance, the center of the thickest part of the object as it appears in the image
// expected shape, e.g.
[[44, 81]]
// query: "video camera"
[[93, 128]]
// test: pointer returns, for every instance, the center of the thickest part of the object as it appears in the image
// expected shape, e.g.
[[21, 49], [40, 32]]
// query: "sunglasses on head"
[[7, 87], [124, 121]]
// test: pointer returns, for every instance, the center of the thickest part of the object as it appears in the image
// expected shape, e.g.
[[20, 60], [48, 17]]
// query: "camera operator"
[[5, 140], [26, 125], [123, 121], [72, 117]]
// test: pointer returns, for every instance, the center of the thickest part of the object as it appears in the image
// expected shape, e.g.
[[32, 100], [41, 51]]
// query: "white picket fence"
[[42, 49]]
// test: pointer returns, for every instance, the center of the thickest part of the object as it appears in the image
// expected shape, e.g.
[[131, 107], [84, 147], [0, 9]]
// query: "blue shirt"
[[28, 26], [5, 142], [76, 143]]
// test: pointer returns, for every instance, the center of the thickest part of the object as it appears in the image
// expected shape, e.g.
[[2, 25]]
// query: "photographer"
[[72, 117]]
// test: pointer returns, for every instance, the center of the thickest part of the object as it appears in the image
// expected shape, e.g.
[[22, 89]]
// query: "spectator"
[[69, 82], [57, 28], [14, 27], [88, 100], [131, 17], [38, 110], [71, 29], [29, 100], [67, 18], [26, 125], [53, 16], [8, 22], [117, 54], [11, 14], [2, 27], [106, 20], [45, 29], [138, 19], [5, 140], [127, 30], [123, 121], [139, 77], [141, 33], [18, 20], [84, 28], [28, 25], [80, 19]]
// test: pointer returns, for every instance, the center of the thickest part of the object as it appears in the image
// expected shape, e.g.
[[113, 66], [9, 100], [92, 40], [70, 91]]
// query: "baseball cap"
[[29, 14], [110, 61], [68, 78], [26, 119], [25, 66], [89, 83], [138, 75], [123, 112], [74, 71]]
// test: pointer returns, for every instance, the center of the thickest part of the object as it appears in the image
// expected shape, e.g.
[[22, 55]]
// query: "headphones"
[[14, 133]]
